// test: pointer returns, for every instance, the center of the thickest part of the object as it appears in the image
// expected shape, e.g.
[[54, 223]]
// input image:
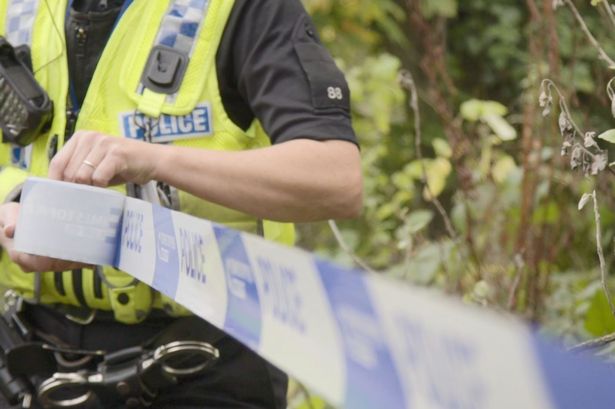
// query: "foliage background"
[[519, 244]]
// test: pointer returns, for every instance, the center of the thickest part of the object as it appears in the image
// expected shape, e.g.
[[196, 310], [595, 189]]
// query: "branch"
[[548, 84], [340, 240], [407, 81], [603, 55], [593, 343], [519, 266], [603, 271], [609, 11]]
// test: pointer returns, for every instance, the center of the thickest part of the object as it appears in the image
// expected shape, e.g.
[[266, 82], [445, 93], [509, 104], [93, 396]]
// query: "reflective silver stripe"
[[20, 16], [180, 27]]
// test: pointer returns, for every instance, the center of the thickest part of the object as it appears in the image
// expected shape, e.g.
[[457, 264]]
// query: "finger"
[[58, 164], [8, 218], [84, 142], [31, 263], [110, 168], [9, 230], [88, 166]]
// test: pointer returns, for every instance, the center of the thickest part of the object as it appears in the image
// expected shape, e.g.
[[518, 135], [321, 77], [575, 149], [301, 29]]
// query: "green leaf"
[[471, 110], [583, 201], [503, 168], [608, 136], [442, 148], [599, 320], [438, 171], [547, 213], [424, 265], [442, 8], [476, 109], [418, 220], [385, 211], [500, 127]]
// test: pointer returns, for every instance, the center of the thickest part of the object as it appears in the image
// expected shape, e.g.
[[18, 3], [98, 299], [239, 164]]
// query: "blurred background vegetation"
[[517, 241]]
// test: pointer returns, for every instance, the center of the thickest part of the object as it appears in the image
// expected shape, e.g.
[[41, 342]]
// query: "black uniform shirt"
[[270, 65]]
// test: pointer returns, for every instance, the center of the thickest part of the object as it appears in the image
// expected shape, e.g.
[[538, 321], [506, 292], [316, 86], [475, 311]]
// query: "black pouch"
[[327, 83]]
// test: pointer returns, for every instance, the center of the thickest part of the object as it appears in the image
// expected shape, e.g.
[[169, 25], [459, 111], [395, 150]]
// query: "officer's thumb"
[[9, 230]]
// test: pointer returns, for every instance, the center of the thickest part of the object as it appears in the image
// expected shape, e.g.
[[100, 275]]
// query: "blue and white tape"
[[361, 340]]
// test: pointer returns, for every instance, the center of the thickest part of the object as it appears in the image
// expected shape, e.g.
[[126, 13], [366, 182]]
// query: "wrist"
[[159, 158]]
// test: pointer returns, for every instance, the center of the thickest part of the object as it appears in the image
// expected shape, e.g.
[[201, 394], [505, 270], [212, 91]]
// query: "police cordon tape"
[[361, 340]]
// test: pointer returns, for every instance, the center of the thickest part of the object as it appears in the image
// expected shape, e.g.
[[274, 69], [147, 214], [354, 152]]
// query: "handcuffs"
[[134, 375]]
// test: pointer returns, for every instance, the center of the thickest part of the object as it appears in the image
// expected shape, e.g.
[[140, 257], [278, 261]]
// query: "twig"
[[346, 248], [609, 89], [512, 295], [603, 55], [603, 271], [549, 85], [593, 343], [407, 81], [609, 11]]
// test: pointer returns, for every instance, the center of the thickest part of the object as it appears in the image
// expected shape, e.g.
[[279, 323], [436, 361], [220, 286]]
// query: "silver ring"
[[90, 164], [164, 353]]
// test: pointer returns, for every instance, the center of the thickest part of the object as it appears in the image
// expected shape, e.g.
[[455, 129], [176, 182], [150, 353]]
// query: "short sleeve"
[[273, 67]]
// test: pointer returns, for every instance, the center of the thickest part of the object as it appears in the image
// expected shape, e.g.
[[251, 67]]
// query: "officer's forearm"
[[299, 180]]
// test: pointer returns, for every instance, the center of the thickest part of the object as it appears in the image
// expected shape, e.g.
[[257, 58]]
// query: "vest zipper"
[[81, 35], [71, 123]]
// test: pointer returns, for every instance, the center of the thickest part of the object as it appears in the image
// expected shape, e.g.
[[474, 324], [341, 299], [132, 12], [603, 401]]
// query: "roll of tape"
[[63, 220]]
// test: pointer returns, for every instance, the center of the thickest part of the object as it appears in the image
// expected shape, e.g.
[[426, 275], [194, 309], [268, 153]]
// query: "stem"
[[550, 85], [512, 295], [609, 89], [340, 239], [609, 11], [593, 343], [407, 81], [603, 271], [603, 55]]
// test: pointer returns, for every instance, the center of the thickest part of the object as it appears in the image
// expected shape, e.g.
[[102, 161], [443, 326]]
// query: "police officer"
[[228, 110]]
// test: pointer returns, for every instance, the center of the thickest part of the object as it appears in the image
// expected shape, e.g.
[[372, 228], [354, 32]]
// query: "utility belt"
[[40, 369]]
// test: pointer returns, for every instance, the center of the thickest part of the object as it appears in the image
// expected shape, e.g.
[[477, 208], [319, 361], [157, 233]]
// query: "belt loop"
[[38, 282], [260, 228]]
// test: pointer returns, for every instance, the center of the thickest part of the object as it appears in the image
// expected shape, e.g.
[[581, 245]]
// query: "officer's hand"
[[93, 158], [9, 213]]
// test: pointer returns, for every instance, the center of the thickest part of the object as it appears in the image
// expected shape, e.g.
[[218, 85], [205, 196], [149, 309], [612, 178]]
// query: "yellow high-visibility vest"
[[115, 102]]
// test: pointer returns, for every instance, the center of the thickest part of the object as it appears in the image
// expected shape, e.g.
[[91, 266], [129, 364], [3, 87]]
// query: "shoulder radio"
[[25, 108]]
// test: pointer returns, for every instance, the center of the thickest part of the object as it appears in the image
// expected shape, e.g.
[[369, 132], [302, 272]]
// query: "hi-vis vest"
[[116, 101]]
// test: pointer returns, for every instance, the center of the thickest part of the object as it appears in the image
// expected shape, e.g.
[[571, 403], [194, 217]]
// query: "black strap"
[[77, 275], [191, 328], [59, 283], [97, 285]]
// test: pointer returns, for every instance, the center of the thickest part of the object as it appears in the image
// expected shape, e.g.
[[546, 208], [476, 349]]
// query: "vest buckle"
[[164, 70]]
